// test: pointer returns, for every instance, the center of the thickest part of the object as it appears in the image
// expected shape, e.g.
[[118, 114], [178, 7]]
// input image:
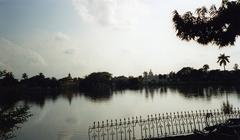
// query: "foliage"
[[205, 67], [24, 76], [96, 81], [2, 73], [120, 82], [105, 82], [135, 82], [39, 81], [10, 120], [218, 26], [236, 67], [8, 79]]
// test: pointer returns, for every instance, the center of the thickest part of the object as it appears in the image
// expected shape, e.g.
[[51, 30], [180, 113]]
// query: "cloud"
[[17, 59], [69, 51], [61, 37], [116, 13], [4, 67]]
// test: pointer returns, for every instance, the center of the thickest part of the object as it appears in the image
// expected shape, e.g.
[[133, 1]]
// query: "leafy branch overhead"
[[219, 26]]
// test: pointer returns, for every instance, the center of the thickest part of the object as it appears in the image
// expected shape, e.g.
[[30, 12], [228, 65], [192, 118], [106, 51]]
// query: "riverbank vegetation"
[[100, 81]]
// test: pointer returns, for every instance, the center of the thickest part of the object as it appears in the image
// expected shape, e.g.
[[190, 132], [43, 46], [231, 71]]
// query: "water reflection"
[[203, 92], [39, 97], [66, 114], [101, 96]]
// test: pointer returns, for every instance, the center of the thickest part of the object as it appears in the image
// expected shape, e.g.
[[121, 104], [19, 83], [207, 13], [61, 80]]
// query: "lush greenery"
[[219, 26]]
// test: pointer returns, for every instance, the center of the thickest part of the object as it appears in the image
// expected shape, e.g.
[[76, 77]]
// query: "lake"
[[68, 116]]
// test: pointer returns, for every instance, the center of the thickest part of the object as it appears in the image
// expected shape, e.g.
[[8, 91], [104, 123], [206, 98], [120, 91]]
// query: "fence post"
[[94, 135], [102, 128], [149, 128], [156, 121], [179, 122], [152, 126], [121, 128], [168, 124], [141, 125], [89, 131], [194, 122], [116, 127], [171, 119], [133, 125], [160, 119]]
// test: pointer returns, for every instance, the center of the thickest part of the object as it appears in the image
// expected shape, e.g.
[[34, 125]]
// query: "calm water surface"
[[68, 116]]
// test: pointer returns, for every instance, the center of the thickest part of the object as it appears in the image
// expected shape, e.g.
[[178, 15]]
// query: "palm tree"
[[222, 60]]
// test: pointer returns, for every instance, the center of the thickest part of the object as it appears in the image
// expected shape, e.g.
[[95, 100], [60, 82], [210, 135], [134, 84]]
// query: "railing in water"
[[158, 125]]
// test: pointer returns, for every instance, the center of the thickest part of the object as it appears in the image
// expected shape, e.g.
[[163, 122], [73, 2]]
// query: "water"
[[68, 116]]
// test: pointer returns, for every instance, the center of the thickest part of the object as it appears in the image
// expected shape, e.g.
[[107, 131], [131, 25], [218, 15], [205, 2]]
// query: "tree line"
[[105, 80]]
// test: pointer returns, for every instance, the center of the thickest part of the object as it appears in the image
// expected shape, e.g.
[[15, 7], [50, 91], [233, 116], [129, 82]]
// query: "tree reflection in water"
[[227, 108], [11, 118]]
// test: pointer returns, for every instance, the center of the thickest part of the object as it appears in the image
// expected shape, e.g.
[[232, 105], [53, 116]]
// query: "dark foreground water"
[[68, 116]]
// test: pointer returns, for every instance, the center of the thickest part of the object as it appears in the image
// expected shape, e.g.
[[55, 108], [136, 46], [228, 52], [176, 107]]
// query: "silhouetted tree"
[[24, 76], [218, 26], [2, 73], [41, 75], [97, 81], [205, 67], [172, 77], [11, 118], [184, 74], [120, 82], [40, 81], [9, 80], [222, 60], [135, 82], [235, 67]]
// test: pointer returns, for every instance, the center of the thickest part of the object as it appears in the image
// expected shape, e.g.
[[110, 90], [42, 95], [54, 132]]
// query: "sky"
[[123, 37]]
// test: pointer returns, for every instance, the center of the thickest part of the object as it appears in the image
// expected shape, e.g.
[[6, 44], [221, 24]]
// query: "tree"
[[11, 119], [222, 60], [235, 67], [24, 76], [9, 80], [41, 75], [120, 82], [205, 67], [2, 73], [97, 81], [218, 26]]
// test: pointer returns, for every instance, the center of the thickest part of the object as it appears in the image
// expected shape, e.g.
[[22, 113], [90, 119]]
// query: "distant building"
[[150, 77], [68, 82]]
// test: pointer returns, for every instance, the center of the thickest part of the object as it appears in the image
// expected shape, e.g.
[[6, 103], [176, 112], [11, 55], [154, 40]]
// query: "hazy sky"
[[124, 37]]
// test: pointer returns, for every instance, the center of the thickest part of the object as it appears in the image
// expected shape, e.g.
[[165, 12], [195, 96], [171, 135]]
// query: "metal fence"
[[158, 125]]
